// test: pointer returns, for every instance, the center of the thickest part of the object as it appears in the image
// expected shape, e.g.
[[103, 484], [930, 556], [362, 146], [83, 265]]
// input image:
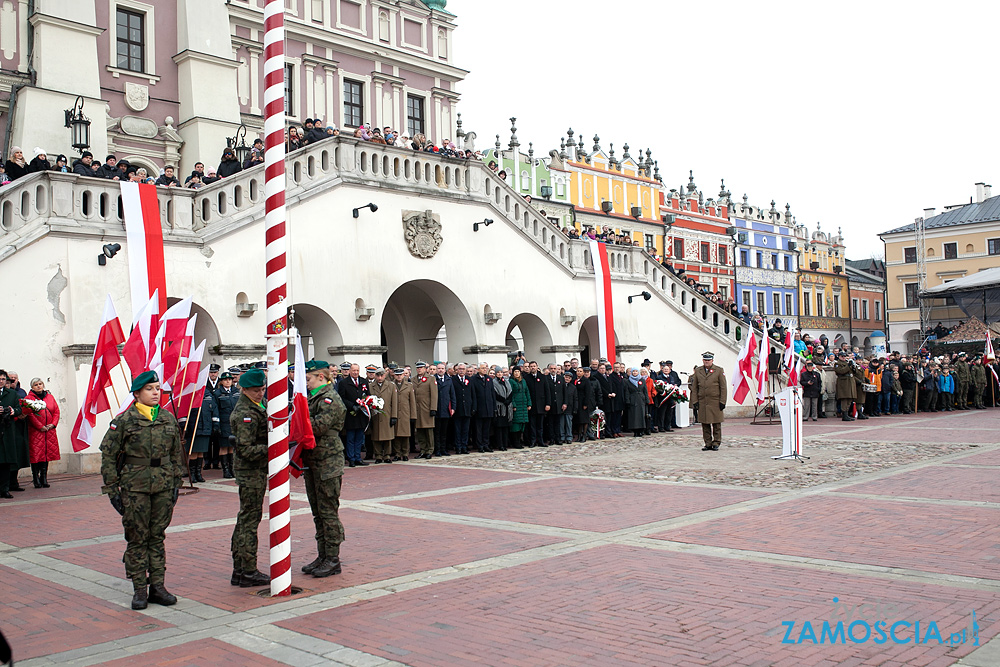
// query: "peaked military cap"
[[346, 366], [398, 371], [214, 368], [252, 378], [142, 379], [708, 355], [421, 364], [371, 368], [261, 365]]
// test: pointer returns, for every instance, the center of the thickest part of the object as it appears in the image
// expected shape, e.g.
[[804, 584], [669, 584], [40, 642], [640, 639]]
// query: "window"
[[648, 240], [878, 311], [911, 295], [951, 251], [724, 291], [854, 308], [354, 107], [746, 298], [760, 302], [705, 253], [788, 263], [806, 296], [131, 40], [774, 261], [788, 305], [864, 309], [289, 89], [723, 255], [776, 302], [819, 304], [678, 248], [910, 255], [836, 305], [993, 246], [745, 256], [414, 115], [760, 260]]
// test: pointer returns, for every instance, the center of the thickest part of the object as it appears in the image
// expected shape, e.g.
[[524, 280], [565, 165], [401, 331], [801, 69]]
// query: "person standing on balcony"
[[229, 164]]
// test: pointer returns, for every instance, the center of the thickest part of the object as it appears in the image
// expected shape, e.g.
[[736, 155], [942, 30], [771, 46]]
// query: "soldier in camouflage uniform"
[[962, 382], [141, 462], [249, 426], [325, 468], [977, 374]]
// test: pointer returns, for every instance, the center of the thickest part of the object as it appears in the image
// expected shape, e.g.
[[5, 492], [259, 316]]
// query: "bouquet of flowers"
[[666, 390], [374, 404], [597, 422], [33, 405]]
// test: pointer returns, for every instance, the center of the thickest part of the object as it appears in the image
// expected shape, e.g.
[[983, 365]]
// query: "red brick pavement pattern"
[[583, 504], [941, 482], [378, 547], [981, 459], [920, 536], [618, 605], [40, 617], [205, 652], [58, 521], [379, 481], [61, 486]]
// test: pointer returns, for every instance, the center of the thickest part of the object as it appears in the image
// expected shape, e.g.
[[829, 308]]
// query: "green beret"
[[315, 365], [142, 379], [252, 378]]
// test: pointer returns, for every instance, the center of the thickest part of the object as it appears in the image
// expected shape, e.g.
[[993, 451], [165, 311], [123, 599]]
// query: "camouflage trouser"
[[146, 517], [323, 491], [253, 485], [961, 395], [977, 394]]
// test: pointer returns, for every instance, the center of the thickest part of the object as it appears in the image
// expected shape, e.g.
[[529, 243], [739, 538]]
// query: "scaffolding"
[[925, 304]]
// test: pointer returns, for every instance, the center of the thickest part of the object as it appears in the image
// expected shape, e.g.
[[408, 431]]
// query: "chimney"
[[986, 192], [928, 213], [980, 191]]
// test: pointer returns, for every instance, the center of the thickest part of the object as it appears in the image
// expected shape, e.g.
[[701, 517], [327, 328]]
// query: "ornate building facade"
[[823, 285], [767, 262]]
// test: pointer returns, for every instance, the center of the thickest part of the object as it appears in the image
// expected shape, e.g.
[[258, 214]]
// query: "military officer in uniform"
[[324, 468], [425, 393], [227, 396], [845, 385], [708, 396], [977, 375], [249, 425], [141, 463], [406, 410], [384, 422], [962, 382]]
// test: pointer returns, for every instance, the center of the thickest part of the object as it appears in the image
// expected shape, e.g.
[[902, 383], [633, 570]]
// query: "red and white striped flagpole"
[[277, 320]]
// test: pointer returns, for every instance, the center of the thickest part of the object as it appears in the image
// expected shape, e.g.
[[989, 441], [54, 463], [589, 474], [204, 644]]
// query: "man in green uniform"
[[249, 426], [846, 388], [141, 462], [962, 378], [977, 375], [709, 390], [324, 468]]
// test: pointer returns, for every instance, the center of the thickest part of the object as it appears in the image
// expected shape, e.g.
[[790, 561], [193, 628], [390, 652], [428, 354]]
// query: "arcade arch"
[[424, 320], [318, 330], [590, 340], [528, 333]]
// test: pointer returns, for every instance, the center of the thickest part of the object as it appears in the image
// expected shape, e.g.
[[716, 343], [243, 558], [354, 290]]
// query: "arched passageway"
[[422, 321]]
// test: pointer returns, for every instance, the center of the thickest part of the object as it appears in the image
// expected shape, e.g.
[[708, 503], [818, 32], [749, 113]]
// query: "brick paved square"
[[205, 652], [68, 519], [920, 536], [38, 615], [617, 605], [941, 482], [583, 504], [60, 486], [199, 562], [380, 481], [981, 459]]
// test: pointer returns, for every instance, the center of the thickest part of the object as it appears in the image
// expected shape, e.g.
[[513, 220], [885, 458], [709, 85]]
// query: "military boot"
[[255, 578], [227, 466], [159, 595], [308, 569], [140, 598], [327, 567]]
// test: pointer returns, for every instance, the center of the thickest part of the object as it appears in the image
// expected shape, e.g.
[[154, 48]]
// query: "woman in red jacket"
[[43, 446], [650, 393]]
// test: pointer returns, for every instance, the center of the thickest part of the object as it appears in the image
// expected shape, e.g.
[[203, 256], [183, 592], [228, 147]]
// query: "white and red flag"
[[138, 349], [190, 383], [169, 343], [793, 366], [106, 358], [794, 371], [988, 353], [300, 432], [742, 376], [144, 238], [605, 306], [762, 369]]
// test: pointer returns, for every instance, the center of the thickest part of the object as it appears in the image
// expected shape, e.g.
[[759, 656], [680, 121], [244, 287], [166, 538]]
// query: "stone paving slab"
[[981, 459], [582, 504], [395, 479], [941, 482], [930, 537], [632, 606], [39, 614], [203, 653], [378, 547]]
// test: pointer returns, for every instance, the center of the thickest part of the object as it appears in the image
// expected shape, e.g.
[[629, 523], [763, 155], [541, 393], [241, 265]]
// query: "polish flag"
[[144, 237], [605, 307], [789, 349], [794, 372], [988, 353], [188, 382], [138, 348], [169, 341], [762, 370], [744, 370], [106, 358], [300, 432]]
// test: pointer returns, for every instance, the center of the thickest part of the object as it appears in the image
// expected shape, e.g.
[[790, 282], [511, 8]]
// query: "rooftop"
[[986, 211]]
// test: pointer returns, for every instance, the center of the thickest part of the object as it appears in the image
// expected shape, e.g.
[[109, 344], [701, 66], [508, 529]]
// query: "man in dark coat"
[[588, 390], [540, 403], [554, 419], [229, 164], [567, 409], [109, 169], [483, 407], [445, 409], [616, 399], [463, 408], [82, 166], [812, 385], [666, 414], [10, 455], [353, 390]]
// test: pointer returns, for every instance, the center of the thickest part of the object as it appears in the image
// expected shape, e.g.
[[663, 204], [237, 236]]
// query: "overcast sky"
[[858, 114]]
